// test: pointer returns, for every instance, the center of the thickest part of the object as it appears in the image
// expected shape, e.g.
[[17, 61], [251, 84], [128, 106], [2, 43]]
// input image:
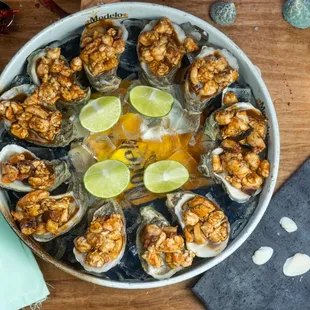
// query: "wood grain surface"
[[283, 55]]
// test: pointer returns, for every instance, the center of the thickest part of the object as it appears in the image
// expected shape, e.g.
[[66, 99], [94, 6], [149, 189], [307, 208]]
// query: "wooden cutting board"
[[88, 3]]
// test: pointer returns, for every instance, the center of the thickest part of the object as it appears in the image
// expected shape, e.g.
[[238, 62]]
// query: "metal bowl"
[[74, 24]]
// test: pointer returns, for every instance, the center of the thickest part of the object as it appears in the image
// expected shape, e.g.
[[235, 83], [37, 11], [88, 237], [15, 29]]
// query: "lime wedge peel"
[[150, 101], [101, 114], [107, 179], [165, 176]]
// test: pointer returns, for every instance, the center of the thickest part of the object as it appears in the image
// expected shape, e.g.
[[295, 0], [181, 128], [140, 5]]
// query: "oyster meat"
[[241, 172], [103, 245], [102, 44], [240, 122], [161, 47], [161, 250], [56, 80], [22, 171], [205, 226], [45, 217], [210, 73]]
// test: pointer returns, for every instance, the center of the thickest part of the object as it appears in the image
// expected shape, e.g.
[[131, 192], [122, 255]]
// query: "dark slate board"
[[237, 283]]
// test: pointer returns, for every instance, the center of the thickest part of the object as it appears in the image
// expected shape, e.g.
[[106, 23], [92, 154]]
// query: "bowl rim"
[[254, 219]]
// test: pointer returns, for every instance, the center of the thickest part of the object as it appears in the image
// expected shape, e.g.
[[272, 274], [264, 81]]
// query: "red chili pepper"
[[4, 29], [8, 13], [55, 8]]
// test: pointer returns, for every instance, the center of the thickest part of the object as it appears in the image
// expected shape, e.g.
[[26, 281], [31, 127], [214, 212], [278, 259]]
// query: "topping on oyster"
[[240, 172], [206, 227], [56, 79], [160, 248], [22, 171], [36, 123], [102, 43], [210, 73], [46, 217], [161, 47], [103, 245], [240, 121]]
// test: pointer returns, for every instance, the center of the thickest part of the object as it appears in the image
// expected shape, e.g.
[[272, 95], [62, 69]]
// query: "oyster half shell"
[[177, 205], [77, 209], [151, 216], [107, 81], [212, 128], [146, 75], [72, 106], [107, 207], [195, 102], [60, 169], [70, 127], [206, 168]]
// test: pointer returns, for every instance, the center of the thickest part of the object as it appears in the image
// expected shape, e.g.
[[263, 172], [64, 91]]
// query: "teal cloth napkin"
[[21, 281]]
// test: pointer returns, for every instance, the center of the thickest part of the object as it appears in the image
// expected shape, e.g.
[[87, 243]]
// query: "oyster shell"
[[252, 120], [200, 92], [65, 130], [176, 43], [236, 93], [62, 104], [208, 246], [107, 208], [59, 167], [151, 217], [77, 198], [206, 168], [18, 93], [107, 81]]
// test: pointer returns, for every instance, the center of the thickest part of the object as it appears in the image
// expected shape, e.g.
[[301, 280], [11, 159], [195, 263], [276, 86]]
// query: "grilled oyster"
[[161, 47], [22, 171], [102, 43], [56, 80], [206, 227], [42, 125], [104, 243], [240, 122], [160, 248], [210, 73], [45, 217], [240, 172]]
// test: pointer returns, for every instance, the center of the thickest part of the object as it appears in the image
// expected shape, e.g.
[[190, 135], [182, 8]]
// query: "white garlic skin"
[[296, 265], [288, 224], [262, 255]]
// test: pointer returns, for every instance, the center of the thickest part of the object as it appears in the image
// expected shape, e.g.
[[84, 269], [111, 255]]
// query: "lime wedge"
[[151, 101], [101, 114], [165, 176], [107, 178]]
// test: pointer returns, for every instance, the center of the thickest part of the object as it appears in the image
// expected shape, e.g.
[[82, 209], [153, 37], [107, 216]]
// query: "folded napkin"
[[237, 283], [21, 281]]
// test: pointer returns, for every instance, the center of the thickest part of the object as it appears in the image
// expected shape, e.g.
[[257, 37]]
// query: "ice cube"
[[129, 127], [81, 159], [100, 145], [180, 120]]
